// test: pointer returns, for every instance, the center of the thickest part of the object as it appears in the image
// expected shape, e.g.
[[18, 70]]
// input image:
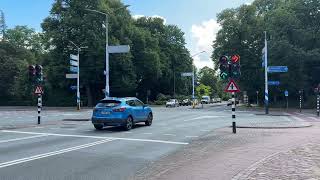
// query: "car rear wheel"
[[98, 126], [129, 123], [149, 120]]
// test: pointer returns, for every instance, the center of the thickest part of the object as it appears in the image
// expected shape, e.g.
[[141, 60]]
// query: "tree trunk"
[[89, 96]]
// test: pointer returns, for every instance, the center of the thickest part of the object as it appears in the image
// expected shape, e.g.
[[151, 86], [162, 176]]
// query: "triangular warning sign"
[[232, 87], [38, 90]]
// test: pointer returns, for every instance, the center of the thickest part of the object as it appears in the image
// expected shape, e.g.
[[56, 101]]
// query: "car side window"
[[138, 103], [131, 103]]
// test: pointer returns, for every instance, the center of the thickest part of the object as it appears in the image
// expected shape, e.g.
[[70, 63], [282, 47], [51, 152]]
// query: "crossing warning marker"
[[38, 90], [232, 87]]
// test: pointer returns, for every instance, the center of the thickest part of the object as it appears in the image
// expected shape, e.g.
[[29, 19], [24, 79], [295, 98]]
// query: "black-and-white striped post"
[[318, 106], [234, 130], [39, 107]]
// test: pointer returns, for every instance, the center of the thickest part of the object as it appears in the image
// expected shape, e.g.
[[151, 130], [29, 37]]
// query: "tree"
[[292, 28], [203, 90]]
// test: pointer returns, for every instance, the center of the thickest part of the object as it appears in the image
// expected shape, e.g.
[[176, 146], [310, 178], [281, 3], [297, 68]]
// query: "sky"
[[196, 18]]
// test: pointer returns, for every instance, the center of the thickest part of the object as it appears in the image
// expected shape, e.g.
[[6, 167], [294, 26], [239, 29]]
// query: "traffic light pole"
[[318, 104], [39, 107], [234, 130], [300, 101]]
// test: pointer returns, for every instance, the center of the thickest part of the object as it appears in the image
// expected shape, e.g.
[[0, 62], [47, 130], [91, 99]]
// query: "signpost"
[[277, 69], [119, 49], [317, 91], [186, 74], [300, 100]]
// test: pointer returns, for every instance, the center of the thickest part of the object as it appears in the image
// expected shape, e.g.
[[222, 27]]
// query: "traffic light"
[[39, 74], [235, 66], [224, 67], [32, 72]]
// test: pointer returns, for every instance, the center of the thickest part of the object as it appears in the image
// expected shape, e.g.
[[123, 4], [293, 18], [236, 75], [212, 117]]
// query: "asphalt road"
[[75, 150]]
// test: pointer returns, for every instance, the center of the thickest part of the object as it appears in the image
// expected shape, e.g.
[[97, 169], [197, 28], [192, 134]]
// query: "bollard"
[[39, 107]]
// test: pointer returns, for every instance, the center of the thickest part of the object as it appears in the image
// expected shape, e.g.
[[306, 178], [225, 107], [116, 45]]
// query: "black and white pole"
[[39, 107], [300, 101], [234, 130], [318, 106]]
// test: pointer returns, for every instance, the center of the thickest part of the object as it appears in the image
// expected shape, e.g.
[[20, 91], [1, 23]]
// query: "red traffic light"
[[235, 58]]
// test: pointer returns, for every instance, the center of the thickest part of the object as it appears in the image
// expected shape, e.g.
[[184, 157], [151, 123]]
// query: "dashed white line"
[[38, 127], [40, 156], [127, 132], [19, 139], [146, 133], [169, 134], [192, 136], [205, 130]]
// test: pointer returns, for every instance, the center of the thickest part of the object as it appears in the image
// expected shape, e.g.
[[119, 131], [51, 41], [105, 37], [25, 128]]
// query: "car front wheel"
[[149, 120], [98, 126]]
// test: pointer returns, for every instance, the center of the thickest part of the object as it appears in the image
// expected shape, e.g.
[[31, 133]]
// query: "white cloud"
[[137, 16], [203, 36]]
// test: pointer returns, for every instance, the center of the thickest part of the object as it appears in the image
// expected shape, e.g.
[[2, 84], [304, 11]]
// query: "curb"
[[275, 127]]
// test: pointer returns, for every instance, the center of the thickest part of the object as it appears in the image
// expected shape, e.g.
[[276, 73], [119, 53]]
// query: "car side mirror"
[[145, 105]]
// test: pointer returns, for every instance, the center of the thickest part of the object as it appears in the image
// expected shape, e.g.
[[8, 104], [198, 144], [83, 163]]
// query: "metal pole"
[[39, 107], [266, 92], [257, 98], [174, 83], [107, 92], [78, 81], [193, 100], [234, 130], [287, 102], [318, 106]]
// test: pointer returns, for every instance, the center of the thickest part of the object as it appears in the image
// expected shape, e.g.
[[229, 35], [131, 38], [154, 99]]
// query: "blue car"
[[121, 112]]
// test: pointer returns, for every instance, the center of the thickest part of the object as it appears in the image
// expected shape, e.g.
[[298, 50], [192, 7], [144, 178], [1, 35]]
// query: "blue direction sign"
[[275, 69], [273, 83], [73, 69], [73, 87], [286, 93]]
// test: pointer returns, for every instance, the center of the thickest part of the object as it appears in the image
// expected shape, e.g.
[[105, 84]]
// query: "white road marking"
[[127, 132], [38, 127], [40, 156], [99, 137], [192, 136], [205, 130], [203, 117], [297, 118], [19, 139], [54, 128], [314, 118], [146, 133], [169, 134]]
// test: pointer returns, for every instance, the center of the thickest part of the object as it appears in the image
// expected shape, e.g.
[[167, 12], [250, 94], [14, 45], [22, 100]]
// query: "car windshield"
[[108, 103], [172, 100]]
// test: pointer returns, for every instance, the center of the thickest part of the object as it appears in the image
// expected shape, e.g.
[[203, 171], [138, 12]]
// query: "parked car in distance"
[[205, 100], [186, 102], [172, 103], [230, 102], [123, 112], [218, 100]]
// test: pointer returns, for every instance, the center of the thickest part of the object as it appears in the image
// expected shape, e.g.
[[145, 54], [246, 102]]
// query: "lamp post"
[[193, 78], [107, 88]]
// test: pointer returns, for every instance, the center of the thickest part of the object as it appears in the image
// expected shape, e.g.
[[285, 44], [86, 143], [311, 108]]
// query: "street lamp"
[[78, 73], [107, 88], [193, 78]]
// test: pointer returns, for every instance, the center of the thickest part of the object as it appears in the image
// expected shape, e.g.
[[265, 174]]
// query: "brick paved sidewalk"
[[249, 154]]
